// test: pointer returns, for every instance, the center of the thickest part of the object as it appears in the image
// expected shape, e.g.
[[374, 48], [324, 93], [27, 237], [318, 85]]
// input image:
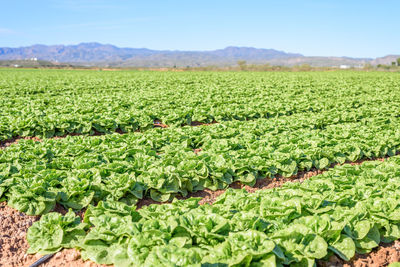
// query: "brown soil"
[[13, 243], [199, 123], [197, 150], [15, 140], [69, 257], [158, 123], [380, 256]]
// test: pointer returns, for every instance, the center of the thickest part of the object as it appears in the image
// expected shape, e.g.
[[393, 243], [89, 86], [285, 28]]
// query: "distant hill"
[[387, 60], [96, 54], [221, 57], [321, 61], [84, 52]]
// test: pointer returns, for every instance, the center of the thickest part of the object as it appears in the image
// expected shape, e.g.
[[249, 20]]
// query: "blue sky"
[[311, 27]]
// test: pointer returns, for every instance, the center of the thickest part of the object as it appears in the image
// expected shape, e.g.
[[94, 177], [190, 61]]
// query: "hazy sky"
[[311, 27]]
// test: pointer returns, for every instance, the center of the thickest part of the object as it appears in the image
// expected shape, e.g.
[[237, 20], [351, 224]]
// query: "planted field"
[[55, 103], [219, 130], [346, 210]]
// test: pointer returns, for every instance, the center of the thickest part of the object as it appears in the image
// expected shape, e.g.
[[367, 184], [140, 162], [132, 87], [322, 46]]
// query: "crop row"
[[347, 209], [55, 103], [160, 163]]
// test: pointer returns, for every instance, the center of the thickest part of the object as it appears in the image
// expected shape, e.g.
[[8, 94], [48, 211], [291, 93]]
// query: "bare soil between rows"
[[383, 255]]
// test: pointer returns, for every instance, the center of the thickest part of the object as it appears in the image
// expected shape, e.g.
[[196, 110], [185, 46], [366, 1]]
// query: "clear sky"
[[312, 27]]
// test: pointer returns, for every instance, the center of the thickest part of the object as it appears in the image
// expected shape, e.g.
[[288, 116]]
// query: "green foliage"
[[242, 64], [346, 210], [161, 163], [50, 103], [54, 232], [269, 124]]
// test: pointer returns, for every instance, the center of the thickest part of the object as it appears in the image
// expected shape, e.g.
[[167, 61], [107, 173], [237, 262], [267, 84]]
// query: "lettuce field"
[[138, 168]]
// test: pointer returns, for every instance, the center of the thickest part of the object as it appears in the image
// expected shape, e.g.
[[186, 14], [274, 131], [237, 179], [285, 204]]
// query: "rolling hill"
[[96, 54]]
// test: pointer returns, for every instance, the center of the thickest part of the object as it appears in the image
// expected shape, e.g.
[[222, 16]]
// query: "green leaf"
[[344, 247]]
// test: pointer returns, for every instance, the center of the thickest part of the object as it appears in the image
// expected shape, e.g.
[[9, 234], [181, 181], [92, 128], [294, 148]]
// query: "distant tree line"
[[394, 66]]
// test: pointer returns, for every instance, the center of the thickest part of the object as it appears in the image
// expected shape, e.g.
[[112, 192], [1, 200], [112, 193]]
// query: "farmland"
[[101, 146]]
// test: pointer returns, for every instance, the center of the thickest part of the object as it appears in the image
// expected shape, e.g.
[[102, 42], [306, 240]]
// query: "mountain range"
[[96, 54]]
